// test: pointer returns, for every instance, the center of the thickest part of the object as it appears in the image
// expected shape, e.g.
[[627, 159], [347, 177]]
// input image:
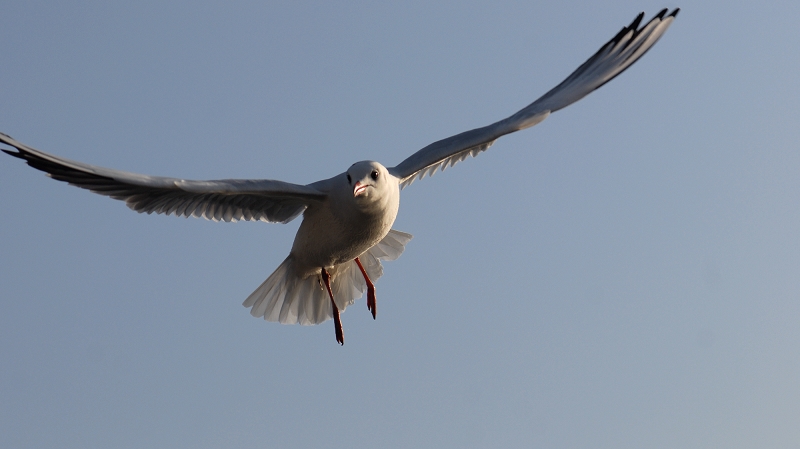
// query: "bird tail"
[[288, 299]]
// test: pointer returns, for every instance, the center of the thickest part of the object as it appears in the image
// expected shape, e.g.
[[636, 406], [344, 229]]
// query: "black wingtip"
[[675, 13], [638, 20], [633, 26], [17, 153], [13, 153]]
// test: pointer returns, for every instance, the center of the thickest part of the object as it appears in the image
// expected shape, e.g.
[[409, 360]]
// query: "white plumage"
[[347, 219], [289, 300]]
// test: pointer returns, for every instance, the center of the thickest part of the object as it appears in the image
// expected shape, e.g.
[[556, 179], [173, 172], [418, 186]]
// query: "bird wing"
[[225, 200], [612, 59]]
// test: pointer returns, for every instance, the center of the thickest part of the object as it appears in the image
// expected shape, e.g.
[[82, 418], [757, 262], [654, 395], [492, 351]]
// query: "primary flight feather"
[[347, 220]]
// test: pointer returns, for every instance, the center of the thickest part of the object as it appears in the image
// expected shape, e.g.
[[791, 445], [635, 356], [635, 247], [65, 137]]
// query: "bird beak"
[[359, 189]]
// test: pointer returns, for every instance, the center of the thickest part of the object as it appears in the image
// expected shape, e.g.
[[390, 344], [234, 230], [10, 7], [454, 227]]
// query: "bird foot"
[[372, 303], [337, 322]]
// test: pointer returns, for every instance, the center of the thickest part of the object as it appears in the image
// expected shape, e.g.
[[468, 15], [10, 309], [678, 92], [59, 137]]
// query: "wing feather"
[[625, 48], [223, 200]]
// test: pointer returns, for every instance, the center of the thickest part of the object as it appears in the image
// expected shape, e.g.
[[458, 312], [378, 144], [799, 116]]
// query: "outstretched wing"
[[612, 59], [225, 200]]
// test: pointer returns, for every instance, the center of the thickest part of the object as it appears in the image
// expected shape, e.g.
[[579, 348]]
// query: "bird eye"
[[349, 181], [374, 175]]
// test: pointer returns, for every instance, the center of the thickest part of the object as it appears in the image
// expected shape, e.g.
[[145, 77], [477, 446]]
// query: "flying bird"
[[347, 219]]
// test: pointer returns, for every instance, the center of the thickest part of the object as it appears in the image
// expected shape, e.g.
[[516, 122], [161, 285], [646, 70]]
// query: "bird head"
[[367, 179], [370, 185]]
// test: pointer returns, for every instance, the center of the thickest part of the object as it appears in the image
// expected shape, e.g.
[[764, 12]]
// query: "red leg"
[[372, 304], [337, 322]]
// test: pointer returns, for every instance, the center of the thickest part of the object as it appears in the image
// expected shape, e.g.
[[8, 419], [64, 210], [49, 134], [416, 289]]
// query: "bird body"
[[347, 226], [347, 219], [344, 225]]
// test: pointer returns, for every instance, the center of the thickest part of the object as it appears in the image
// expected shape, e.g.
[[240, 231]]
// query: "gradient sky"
[[624, 275]]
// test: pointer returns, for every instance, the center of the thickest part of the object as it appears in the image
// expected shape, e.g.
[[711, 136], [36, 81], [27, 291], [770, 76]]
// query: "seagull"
[[347, 219]]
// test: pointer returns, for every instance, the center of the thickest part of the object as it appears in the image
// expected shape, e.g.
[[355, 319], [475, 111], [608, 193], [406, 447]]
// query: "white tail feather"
[[287, 299]]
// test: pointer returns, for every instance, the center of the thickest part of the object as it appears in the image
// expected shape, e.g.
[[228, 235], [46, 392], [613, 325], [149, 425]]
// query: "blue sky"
[[623, 275]]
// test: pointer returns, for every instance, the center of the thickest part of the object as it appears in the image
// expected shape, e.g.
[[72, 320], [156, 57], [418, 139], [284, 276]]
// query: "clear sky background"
[[624, 275]]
